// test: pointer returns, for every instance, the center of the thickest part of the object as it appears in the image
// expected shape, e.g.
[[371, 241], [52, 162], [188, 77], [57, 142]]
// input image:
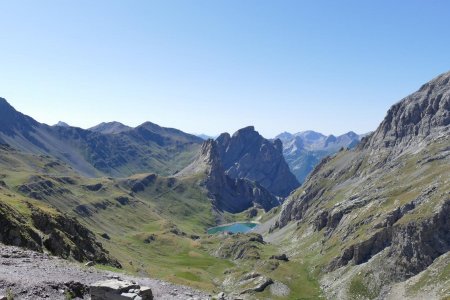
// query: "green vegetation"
[[359, 290], [9, 294]]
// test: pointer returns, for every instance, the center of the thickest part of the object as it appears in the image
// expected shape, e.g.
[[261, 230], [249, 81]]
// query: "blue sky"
[[215, 66]]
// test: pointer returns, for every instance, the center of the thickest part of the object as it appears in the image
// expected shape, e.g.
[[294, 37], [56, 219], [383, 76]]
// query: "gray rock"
[[128, 295], [146, 293], [257, 284], [112, 289], [416, 117], [279, 289], [89, 264], [221, 296]]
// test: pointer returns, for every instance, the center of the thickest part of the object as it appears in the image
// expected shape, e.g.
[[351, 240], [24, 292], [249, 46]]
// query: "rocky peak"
[[416, 117], [110, 127], [285, 136], [246, 154], [62, 124], [227, 193], [310, 136]]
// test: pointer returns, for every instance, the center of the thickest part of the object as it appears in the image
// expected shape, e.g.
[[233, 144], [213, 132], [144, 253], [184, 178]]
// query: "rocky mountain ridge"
[[416, 118], [97, 152], [304, 150], [110, 127], [382, 208]]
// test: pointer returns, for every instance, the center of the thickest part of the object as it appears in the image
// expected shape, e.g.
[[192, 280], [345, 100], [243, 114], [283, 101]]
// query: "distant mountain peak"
[[305, 149], [62, 124], [113, 127]]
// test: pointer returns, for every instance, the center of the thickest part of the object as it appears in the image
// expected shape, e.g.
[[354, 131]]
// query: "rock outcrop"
[[246, 154], [59, 234], [67, 238], [422, 115], [240, 246], [227, 193]]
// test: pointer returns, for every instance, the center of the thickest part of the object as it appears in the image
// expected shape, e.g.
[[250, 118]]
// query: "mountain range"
[[304, 150], [370, 221], [108, 149]]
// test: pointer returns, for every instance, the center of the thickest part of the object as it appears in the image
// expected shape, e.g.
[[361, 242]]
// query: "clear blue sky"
[[214, 66]]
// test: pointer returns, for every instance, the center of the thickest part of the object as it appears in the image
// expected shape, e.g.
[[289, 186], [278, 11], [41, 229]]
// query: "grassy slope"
[[164, 205], [156, 210], [407, 180]]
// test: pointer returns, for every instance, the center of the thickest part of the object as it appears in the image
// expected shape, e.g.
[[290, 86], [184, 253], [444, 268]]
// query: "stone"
[[221, 296], [112, 289], [129, 295], [282, 257], [3, 297], [146, 293], [279, 289]]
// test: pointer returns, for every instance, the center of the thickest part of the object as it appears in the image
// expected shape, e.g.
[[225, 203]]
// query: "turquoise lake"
[[234, 228]]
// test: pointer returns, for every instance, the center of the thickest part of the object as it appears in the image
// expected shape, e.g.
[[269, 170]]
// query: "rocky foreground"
[[32, 275]]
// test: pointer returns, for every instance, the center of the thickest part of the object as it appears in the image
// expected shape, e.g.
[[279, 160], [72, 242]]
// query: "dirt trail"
[[32, 275]]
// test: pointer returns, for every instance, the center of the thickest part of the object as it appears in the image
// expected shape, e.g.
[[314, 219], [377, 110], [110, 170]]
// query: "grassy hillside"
[[151, 224], [355, 220]]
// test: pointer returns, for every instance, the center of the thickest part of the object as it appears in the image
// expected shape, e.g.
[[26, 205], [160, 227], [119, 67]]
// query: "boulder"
[[115, 289], [146, 293]]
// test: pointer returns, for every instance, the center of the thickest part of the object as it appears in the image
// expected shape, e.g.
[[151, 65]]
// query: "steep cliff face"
[[422, 115], [384, 206], [246, 154], [227, 193]]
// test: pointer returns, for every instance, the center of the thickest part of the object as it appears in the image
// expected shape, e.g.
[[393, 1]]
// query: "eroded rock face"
[[65, 237], [15, 231], [246, 154], [227, 193], [415, 117]]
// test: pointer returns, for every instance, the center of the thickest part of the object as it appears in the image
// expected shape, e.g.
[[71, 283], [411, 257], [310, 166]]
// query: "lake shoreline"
[[223, 228]]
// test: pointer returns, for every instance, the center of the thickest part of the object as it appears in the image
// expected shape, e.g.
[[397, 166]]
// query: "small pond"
[[234, 228]]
